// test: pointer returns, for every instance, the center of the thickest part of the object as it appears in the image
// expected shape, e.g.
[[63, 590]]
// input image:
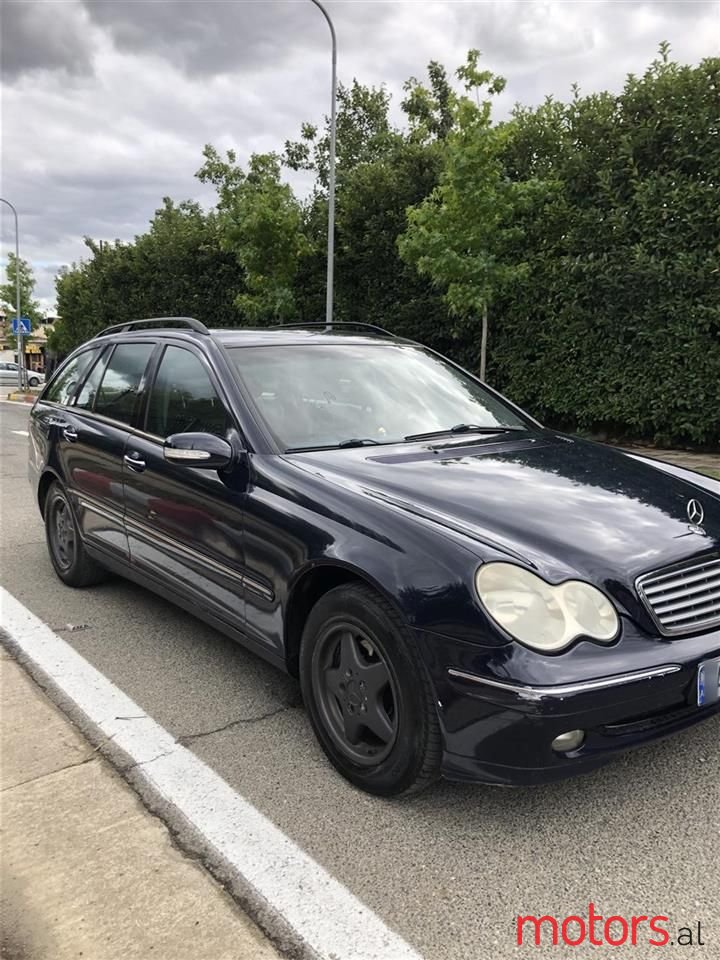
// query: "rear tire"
[[368, 693], [67, 551]]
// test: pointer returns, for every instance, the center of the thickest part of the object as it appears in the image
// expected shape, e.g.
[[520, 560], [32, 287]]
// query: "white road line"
[[22, 433], [324, 913]]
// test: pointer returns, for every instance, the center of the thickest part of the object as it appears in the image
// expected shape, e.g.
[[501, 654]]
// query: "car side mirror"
[[203, 450]]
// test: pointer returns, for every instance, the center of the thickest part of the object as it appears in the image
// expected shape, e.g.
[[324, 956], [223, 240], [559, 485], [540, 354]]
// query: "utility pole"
[[21, 356], [331, 173]]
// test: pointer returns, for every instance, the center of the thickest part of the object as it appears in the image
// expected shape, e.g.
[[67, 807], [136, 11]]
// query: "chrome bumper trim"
[[570, 689]]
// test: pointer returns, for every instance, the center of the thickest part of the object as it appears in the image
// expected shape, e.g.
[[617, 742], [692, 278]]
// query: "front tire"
[[33, 381], [67, 551], [368, 693]]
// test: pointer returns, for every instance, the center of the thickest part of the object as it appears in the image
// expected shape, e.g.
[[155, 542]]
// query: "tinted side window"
[[117, 394], [183, 398], [62, 386], [86, 398]]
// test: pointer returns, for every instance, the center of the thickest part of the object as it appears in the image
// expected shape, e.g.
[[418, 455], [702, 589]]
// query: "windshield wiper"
[[463, 428], [352, 442], [358, 442]]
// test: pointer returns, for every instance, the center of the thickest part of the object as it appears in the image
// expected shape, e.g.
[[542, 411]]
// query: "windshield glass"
[[322, 395]]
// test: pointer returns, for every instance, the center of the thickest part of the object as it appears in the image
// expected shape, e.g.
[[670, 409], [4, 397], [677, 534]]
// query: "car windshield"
[[329, 395]]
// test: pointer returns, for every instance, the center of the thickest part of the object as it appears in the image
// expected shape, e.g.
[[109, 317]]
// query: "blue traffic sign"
[[25, 325]]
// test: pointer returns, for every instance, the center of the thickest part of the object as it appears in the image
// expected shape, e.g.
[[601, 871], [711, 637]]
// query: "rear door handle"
[[70, 433], [134, 462]]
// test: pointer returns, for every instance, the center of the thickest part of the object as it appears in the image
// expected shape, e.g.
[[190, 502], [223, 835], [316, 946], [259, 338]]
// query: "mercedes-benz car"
[[460, 590]]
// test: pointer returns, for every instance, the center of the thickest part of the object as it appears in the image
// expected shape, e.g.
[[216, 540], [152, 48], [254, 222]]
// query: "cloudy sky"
[[106, 104]]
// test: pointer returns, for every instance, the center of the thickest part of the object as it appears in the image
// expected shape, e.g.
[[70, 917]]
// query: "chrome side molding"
[[570, 689]]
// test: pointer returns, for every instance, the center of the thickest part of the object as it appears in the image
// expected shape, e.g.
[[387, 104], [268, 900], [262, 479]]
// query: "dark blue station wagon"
[[459, 590]]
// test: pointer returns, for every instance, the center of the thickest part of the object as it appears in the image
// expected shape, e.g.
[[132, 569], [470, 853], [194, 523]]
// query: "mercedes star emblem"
[[695, 512]]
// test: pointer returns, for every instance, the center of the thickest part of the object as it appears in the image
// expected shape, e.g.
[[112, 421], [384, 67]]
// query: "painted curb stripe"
[[323, 912]]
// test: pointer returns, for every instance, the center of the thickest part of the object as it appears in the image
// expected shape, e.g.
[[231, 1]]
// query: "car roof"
[[341, 332], [254, 337]]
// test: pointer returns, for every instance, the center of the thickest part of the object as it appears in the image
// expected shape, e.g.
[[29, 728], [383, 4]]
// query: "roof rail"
[[189, 322], [335, 323]]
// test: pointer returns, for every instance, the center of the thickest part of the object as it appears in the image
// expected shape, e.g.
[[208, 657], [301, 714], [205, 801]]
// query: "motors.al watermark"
[[594, 929]]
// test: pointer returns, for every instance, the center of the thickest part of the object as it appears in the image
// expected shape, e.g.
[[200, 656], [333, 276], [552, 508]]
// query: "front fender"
[[423, 569]]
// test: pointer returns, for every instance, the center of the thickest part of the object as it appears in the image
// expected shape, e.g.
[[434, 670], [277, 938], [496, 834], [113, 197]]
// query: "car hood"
[[567, 506]]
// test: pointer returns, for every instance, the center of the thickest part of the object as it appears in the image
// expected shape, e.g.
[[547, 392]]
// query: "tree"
[[623, 281], [587, 230], [260, 223], [430, 108], [363, 134], [176, 268], [29, 307], [380, 172], [464, 235]]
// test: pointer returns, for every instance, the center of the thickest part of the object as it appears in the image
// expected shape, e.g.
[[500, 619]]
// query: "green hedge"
[[617, 326]]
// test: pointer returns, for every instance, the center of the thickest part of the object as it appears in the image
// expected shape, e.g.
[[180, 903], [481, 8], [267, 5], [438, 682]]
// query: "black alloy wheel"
[[67, 552], [61, 531], [355, 692], [368, 693]]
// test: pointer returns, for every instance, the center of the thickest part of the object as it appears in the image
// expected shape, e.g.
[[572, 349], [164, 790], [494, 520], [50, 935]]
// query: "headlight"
[[543, 616]]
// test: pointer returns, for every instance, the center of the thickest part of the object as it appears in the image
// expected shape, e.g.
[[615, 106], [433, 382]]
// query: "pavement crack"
[[50, 773], [143, 763], [241, 721]]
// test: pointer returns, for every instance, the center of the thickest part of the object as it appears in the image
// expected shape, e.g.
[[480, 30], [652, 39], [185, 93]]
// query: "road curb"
[[303, 910], [26, 398], [182, 834]]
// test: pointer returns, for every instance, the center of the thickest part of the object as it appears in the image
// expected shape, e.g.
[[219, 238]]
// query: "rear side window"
[[63, 386], [86, 398], [183, 399], [118, 390]]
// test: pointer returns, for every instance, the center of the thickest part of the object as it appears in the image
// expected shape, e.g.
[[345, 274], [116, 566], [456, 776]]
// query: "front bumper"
[[500, 714]]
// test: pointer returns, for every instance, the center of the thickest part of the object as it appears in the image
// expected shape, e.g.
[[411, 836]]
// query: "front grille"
[[683, 598]]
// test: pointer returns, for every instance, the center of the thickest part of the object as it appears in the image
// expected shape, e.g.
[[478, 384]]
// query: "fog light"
[[568, 741]]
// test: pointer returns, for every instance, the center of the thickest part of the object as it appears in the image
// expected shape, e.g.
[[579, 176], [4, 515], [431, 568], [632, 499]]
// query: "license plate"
[[708, 682]]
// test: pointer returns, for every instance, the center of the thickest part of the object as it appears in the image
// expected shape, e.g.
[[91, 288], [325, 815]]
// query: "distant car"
[[9, 375], [460, 590]]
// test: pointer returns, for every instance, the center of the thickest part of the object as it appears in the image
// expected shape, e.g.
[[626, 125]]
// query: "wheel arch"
[[307, 588], [46, 480]]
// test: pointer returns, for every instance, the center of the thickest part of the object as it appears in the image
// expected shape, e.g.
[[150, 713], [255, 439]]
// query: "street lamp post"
[[21, 365], [331, 173]]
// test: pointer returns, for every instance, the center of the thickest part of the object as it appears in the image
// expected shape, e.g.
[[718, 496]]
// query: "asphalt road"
[[450, 870]]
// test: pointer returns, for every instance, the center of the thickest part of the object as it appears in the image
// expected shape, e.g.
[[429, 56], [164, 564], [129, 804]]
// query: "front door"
[[184, 523]]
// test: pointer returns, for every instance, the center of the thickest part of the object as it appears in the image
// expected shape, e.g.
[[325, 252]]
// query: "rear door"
[[185, 523], [93, 440]]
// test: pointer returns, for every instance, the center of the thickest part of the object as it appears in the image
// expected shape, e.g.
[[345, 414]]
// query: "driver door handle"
[[70, 434], [134, 462]]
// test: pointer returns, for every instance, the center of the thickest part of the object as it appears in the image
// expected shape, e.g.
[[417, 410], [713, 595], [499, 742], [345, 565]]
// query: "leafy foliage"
[[177, 268], [589, 229], [615, 325], [466, 233], [29, 307], [260, 222]]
